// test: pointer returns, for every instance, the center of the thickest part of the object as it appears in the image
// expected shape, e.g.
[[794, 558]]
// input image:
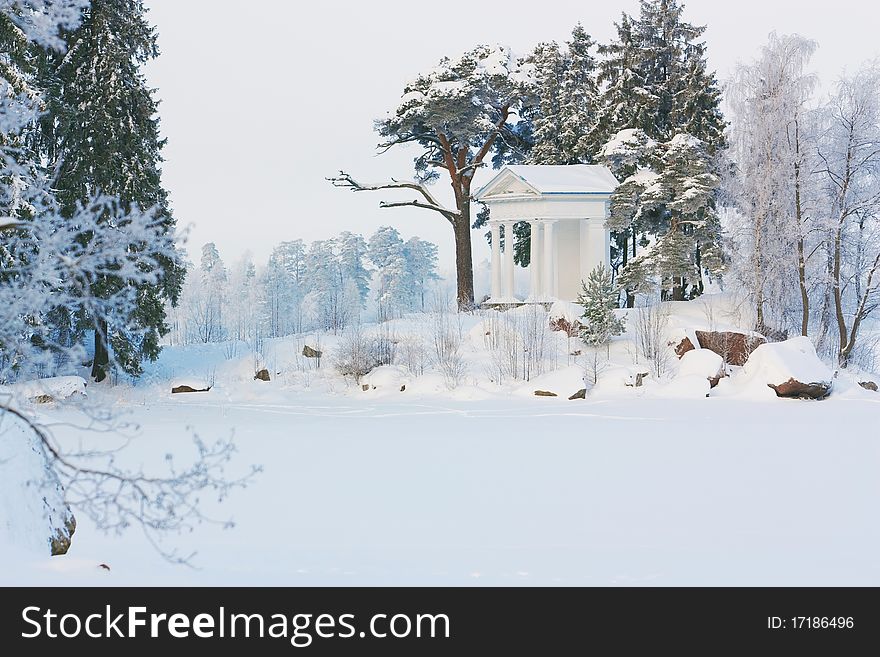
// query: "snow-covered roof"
[[556, 179]]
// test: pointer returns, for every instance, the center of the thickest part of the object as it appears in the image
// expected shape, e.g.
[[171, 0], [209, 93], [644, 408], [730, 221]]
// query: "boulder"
[[735, 348], [59, 542], [637, 379], [580, 394], [47, 391], [683, 347], [869, 385], [184, 388], [37, 518], [703, 362], [309, 352], [565, 316], [570, 328], [563, 382], [262, 375], [791, 369], [386, 377], [799, 390]]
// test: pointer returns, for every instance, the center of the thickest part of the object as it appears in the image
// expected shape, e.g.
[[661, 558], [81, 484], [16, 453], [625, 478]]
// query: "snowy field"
[[494, 486]]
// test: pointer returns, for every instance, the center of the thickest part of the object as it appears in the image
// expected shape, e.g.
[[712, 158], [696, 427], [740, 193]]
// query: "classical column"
[[496, 259], [550, 270], [599, 243], [535, 261], [508, 260]]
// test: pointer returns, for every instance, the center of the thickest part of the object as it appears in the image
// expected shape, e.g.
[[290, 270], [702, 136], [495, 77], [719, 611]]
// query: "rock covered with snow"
[[691, 386], [189, 384], [565, 382], [734, 347], [565, 316], [34, 516], [702, 362], [386, 377], [790, 368], [44, 391]]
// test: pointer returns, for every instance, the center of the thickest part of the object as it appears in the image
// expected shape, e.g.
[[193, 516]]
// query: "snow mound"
[[700, 362], [56, 388], [570, 312], [32, 507], [386, 377], [776, 363], [792, 359], [563, 382], [691, 386]]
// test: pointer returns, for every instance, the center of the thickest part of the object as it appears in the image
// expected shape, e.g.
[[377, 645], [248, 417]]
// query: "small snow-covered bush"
[[359, 354], [412, 353], [520, 343], [446, 343], [650, 327]]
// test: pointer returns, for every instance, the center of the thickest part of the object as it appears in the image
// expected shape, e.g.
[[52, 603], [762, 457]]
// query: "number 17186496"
[[810, 623]]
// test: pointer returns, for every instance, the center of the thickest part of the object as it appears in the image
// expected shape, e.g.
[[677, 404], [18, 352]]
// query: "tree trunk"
[[464, 268], [101, 362], [802, 281], [799, 225]]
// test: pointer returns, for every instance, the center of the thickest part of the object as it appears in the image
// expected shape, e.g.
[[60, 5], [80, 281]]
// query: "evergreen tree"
[[599, 299], [622, 103], [101, 134], [213, 277], [689, 239], [657, 86], [352, 251], [421, 266], [284, 288], [386, 252], [579, 100], [547, 112]]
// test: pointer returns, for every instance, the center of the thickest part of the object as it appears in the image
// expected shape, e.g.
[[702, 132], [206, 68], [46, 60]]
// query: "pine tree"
[[386, 252], [548, 119], [599, 299], [421, 265], [623, 100], [352, 251], [689, 241], [657, 84], [214, 279], [580, 100], [102, 135]]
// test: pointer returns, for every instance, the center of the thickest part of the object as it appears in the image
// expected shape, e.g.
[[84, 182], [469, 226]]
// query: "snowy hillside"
[[433, 470]]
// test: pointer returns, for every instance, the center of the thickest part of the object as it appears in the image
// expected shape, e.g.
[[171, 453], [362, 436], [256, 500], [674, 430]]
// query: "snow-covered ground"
[[491, 485]]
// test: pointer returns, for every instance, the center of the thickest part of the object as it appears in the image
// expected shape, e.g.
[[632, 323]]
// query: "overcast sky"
[[262, 100]]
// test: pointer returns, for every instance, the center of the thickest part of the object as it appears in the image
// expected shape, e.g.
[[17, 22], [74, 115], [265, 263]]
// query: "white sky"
[[262, 100]]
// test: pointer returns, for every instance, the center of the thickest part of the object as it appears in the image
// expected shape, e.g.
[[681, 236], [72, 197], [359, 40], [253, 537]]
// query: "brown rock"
[[545, 393], [797, 390], [715, 380], [262, 375], [869, 385], [43, 399], [580, 394], [639, 380], [561, 324], [684, 346], [365, 387], [180, 389], [308, 352], [734, 348], [60, 541]]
